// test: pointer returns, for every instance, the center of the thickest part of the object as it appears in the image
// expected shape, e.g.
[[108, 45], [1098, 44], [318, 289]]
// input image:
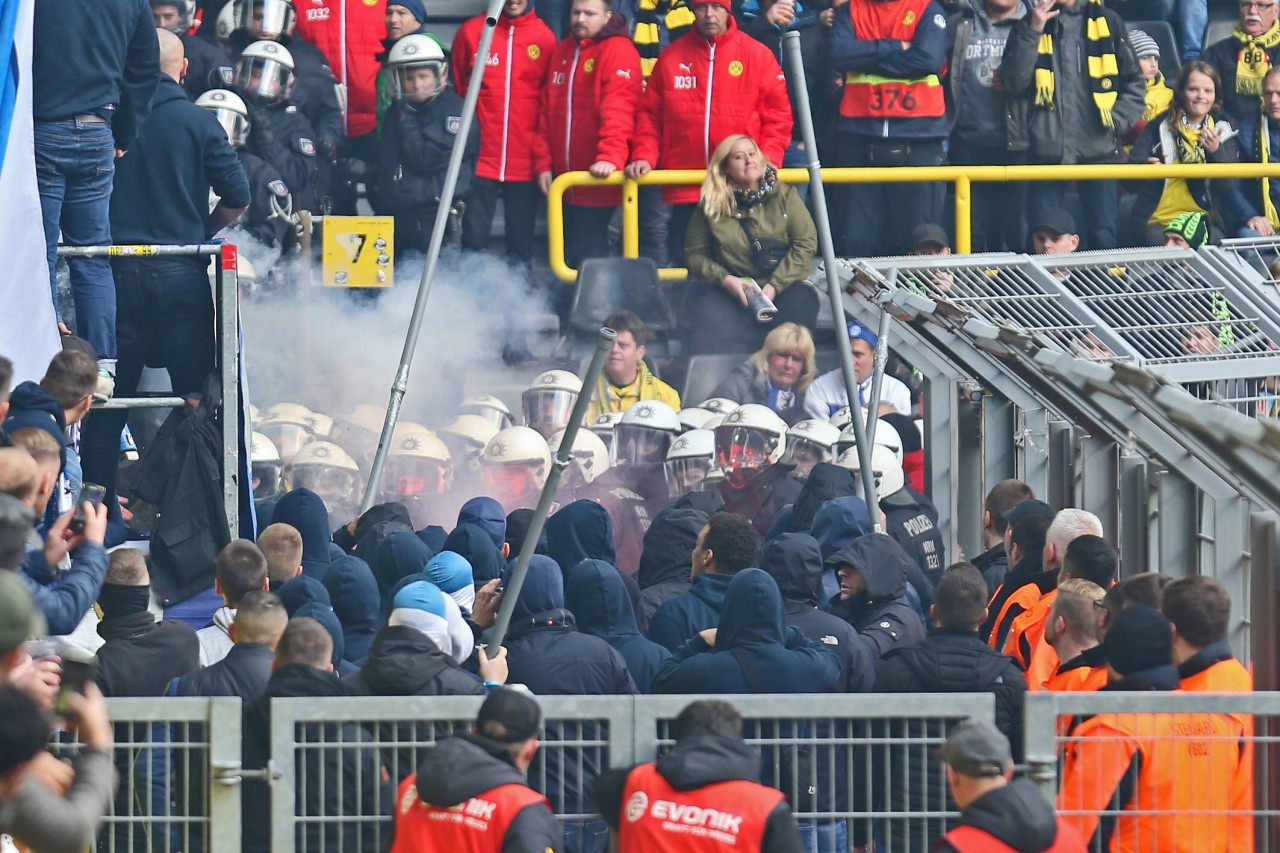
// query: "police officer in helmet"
[[208, 66], [749, 447]]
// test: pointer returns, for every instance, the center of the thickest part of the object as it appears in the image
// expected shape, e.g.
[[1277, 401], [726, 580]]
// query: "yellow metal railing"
[[963, 177]]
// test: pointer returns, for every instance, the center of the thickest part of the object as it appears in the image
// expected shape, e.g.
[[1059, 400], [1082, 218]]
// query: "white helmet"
[[886, 436], [841, 417], [186, 14], [409, 56], [590, 454], [466, 436], [228, 21], [266, 465], [810, 442], [286, 424], [888, 473], [645, 434], [689, 461], [417, 467], [752, 437], [230, 111], [603, 426], [318, 424], [330, 472], [695, 417], [358, 430], [515, 463], [488, 407], [549, 401], [278, 18], [718, 405], [264, 72], [254, 414]]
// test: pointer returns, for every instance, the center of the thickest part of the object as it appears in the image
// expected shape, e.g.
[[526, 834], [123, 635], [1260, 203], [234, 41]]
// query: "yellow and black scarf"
[[1253, 62], [1186, 138], [1104, 70]]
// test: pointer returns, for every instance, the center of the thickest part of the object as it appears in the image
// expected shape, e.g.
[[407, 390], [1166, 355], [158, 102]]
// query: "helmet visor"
[[511, 482], [742, 447], [639, 445], [606, 435], [418, 82], [464, 452], [234, 125], [547, 410], [407, 477], [288, 438], [331, 484], [267, 18], [805, 454], [687, 475], [497, 417], [266, 480], [264, 80]]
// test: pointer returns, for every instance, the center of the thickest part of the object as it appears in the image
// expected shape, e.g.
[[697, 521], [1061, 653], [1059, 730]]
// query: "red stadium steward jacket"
[[363, 26], [703, 90]]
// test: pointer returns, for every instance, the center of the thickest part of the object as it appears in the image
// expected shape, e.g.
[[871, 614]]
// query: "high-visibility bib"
[[719, 817], [874, 96], [478, 825]]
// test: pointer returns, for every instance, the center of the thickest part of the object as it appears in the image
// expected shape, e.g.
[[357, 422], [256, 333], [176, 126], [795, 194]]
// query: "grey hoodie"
[[980, 113], [215, 640]]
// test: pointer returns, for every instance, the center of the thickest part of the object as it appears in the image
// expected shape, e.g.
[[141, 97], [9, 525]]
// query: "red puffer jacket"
[[362, 25], [703, 90], [511, 92], [589, 108]]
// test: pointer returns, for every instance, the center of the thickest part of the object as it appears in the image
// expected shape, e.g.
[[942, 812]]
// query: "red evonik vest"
[[724, 816], [477, 826]]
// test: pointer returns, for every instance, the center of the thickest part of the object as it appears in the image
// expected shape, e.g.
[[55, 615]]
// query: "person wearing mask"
[[1072, 631], [1244, 58], [724, 547], [487, 766], [710, 767], [587, 120], [596, 595], [997, 812], [777, 375], [240, 568], [747, 226], [665, 562], [994, 562], [827, 394], [1070, 111], [626, 379], [873, 593], [951, 659], [507, 119]]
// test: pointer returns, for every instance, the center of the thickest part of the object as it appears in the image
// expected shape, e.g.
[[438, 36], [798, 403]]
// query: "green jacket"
[[716, 249]]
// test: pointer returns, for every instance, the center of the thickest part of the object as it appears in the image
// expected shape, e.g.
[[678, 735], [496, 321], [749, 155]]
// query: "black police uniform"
[[282, 135], [267, 219], [417, 141], [208, 66], [912, 521], [315, 90]]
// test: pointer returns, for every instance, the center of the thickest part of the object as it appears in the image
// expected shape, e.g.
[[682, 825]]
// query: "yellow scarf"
[[1186, 139], [1159, 97], [1104, 70], [1253, 62]]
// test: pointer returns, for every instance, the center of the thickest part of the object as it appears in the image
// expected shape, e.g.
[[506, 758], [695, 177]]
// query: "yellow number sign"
[[358, 251]]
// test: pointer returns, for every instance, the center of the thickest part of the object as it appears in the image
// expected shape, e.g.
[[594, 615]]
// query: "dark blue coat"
[[354, 594], [680, 618], [303, 510], [598, 600], [474, 544], [580, 531]]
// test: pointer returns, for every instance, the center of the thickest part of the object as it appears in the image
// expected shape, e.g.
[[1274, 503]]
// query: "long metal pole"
[[561, 461], [800, 99], [877, 378], [401, 383]]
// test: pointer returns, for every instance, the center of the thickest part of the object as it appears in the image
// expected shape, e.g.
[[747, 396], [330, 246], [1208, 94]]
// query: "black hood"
[[377, 514], [518, 524], [794, 560], [825, 482], [353, 592], [401, 660], [752, 614], [706, 759], [304, 511], [461, 767], [297, 592], [399, 556], [1018, 814], [668, 546], [880, 560], [580, 531], [705, 502], [299, 679], [476, 546], [598, 600]]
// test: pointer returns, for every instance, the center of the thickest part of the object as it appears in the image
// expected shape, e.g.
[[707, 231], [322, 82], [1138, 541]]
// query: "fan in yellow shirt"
[[626, 379]]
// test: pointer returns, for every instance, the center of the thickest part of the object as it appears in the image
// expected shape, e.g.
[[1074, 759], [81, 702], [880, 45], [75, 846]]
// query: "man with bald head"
[[164, 306]]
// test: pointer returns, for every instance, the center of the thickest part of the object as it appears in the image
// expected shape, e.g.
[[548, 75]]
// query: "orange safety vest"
[[724, 816], [1026, 643], [1023, 598], [1078, 679], [970, 839], [1230, 676], [869, 95], [477, 826], [1182, 799]]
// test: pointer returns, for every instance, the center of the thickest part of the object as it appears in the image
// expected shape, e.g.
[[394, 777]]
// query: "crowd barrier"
[[961, 178]]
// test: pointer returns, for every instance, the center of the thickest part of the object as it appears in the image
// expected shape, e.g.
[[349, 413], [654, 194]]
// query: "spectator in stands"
[[995, 808], [240, 568], [626, 379], [304, 669], [1144, 588], [873, 593], [1159, 96], [487, 766], [893, 113], [747, 226], [1053, 232], [665, 563], [507, 121], [1243, 58], [1072, 631], [980, 129], [301, 591], [950, 659], [403, 19], [1075, 112], [1025, 546], [1118, 763], [827, 394], [71, 379], [1193, 131], [20, 621], [46, 450], [725, 546], [597, 597], [1187, 231], [88, 107], [259, 623], [587, 120], [994, 562], [281, 546], [1259, 142], [777, 375], [929, 240]]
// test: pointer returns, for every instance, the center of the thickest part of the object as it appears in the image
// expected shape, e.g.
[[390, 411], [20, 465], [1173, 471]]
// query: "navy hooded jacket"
[[680, 618], [400, 555], [324, 615], [881, 613], [302, 590], [487, 514], [304, 511], [580, 531], [472, 543], [598, 600], [667, 558], [356, 602], [838, 522], [518, 528], [755, 651]]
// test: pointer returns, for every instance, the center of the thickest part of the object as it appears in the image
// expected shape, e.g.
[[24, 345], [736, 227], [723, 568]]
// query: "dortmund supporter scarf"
[[1103, 68], [1253, 61], [1264, 157], [1186, 138]]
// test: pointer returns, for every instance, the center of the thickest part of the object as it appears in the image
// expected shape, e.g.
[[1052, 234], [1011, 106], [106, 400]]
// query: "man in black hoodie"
[[873, 593], [665, 562], [709, 751], [472, 793]]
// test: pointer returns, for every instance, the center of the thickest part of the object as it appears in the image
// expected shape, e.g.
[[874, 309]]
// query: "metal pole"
[[877, 378], [401, 383], [800, 98], [559, 462]]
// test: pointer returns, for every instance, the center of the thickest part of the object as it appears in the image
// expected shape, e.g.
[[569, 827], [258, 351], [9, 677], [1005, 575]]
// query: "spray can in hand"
[[759, 304]]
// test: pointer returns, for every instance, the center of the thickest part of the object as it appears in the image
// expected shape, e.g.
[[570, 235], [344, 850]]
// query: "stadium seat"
[[1162, 32], [1218, 30], [606, 285], [705, 373]]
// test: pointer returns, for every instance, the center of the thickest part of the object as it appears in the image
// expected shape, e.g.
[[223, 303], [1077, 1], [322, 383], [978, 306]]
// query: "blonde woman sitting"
[[777, 375]]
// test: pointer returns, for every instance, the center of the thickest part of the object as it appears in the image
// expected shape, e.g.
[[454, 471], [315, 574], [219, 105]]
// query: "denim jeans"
[[824, 837], [1190, 18], [75, 164]]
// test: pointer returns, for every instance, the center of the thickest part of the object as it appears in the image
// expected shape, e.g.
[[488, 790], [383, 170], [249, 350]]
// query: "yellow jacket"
[[611, 398]]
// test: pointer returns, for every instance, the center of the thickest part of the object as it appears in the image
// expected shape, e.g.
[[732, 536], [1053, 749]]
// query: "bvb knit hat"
[[1192, 227], [1143, 44], [1140, 638], [509, 716]]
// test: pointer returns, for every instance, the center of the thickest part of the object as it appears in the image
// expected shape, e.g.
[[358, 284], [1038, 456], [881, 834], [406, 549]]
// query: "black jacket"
[[208, 67], [666, 561], [881, 614], [404, 662], [1017, 814], [141, 656], [161, 188], [282, 135], [697, 762], [764, 497], [825, 482], [244, 672], [416, 144], [465, 766], [912, 520], [353, 594], [681, 617], [746, 384], [598, 599], [270, 205], [994, 565]]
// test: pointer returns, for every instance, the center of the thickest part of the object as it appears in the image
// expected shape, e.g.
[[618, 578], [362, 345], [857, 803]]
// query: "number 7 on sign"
[[353, 244]]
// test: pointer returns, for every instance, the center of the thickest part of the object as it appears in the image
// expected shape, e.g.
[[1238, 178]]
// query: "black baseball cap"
[[977, 748], [1054, 219], [509, 716], [1026, 509], [929, 234]]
